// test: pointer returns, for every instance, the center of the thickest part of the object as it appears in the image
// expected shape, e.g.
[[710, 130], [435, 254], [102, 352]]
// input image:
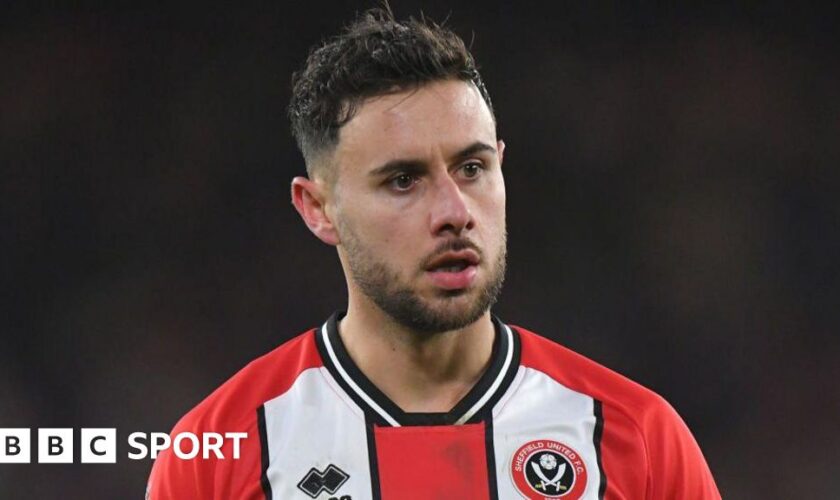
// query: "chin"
[[455, 305]]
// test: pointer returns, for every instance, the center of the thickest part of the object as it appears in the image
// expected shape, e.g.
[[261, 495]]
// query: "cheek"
[[492, 205], [387, 236]]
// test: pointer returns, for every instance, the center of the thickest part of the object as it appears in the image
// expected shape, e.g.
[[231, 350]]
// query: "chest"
[[538, 442]]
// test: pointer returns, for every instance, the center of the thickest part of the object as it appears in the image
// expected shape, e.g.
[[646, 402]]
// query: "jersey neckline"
[[474, 407]]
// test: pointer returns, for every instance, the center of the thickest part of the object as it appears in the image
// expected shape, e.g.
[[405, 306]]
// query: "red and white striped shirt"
[[542, 422]]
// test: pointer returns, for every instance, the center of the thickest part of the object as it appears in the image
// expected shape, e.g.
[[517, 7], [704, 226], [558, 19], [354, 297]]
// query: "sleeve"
[[174, 478], [211, 476], [677, 468], [234, 407]]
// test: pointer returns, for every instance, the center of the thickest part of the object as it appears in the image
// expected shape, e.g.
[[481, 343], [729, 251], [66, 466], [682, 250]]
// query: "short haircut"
[[374, 55]]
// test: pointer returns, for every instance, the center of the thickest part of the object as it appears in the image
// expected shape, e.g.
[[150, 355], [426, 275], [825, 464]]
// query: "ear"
[[308, 197], [500, 148]]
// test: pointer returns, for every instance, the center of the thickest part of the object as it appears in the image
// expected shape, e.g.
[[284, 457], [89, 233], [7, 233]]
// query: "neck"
[[419, 372]]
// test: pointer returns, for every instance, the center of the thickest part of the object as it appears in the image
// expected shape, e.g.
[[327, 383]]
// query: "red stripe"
[[432, 462]]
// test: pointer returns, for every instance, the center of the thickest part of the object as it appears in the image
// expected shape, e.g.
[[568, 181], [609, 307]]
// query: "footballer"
[[414, 389]]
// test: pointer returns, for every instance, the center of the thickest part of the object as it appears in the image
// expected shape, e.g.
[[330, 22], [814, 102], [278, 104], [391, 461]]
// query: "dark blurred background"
[[672, 180]]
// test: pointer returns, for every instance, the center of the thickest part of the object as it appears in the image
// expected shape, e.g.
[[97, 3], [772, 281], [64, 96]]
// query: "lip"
[[467, 255], [454, 280]]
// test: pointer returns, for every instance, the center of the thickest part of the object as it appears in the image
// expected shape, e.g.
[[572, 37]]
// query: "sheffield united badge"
[[544, 469]]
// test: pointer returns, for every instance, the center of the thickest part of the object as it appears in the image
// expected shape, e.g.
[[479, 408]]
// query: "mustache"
[[452, 245]]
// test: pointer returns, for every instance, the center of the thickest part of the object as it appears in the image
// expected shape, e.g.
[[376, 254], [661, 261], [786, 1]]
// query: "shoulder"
[[619, 396], [581, 374], [261, 380], [232, 409], [637, 425]]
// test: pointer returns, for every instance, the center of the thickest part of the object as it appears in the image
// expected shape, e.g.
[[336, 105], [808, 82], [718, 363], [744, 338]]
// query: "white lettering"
[[160, 442], [236, 436], [176, 445], [215, 446], [136, 440]]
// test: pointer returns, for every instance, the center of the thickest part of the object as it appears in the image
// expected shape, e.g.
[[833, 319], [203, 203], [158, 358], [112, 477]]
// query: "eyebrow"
[[415, 165]]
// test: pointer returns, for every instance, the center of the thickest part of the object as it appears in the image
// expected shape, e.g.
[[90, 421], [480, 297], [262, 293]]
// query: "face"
[[419, 206]]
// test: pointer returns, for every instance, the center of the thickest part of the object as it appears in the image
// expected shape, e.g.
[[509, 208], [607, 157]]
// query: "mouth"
[[454, 270]]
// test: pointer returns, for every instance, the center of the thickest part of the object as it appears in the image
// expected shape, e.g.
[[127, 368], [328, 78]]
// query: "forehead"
[[435, 119]]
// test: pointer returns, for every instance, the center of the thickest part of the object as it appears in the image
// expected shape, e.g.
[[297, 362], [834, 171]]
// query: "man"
[[417, 391]]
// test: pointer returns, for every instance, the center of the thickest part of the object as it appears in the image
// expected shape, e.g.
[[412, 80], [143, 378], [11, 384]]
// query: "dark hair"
[[374, 55]]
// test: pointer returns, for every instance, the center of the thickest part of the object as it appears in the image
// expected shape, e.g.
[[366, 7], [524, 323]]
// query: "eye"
[[472, 169], [402, 182]]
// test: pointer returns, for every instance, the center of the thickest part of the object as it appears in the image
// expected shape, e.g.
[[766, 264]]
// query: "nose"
[[450, 212]]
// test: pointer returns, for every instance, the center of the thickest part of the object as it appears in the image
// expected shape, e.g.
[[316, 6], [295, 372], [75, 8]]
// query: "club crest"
[[545, 469]]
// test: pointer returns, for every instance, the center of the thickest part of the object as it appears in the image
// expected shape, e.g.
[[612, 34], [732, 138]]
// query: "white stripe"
[[542, 408], [487, 395], [350, 381], [511, 390], [298, 438], [341, 393]]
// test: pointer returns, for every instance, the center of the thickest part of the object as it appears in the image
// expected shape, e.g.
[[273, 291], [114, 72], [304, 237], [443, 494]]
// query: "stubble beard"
[[382, 284]]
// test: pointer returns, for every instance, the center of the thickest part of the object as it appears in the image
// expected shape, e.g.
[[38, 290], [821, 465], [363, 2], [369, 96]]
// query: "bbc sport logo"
[[99, 446]]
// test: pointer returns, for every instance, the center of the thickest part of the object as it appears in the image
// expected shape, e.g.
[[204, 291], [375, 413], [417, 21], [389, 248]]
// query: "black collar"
[[474, 407]]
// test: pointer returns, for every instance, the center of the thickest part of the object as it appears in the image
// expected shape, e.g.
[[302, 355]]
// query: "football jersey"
[[542, 422]]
